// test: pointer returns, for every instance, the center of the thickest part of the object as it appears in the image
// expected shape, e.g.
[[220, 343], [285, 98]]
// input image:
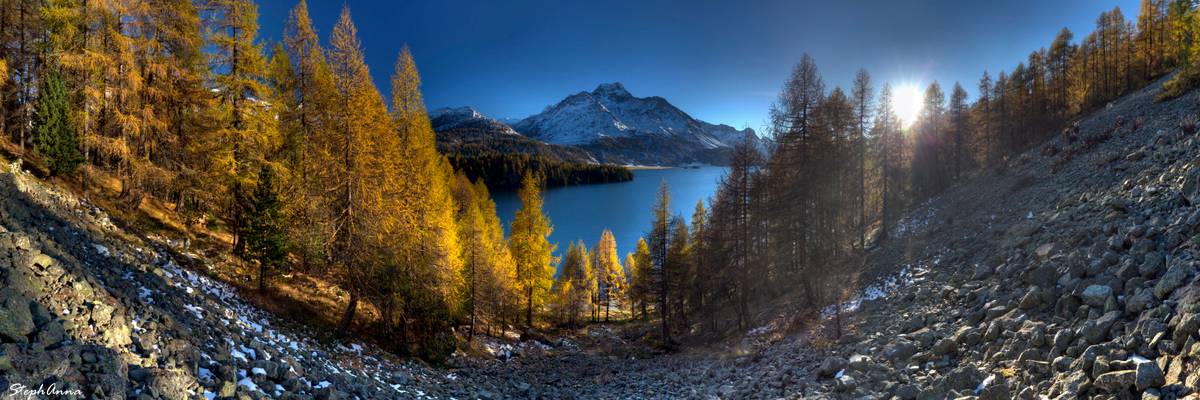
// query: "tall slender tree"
[[240, 83], [863, 98], [360, 173], [608, 270], [532, 252], [660, 238]]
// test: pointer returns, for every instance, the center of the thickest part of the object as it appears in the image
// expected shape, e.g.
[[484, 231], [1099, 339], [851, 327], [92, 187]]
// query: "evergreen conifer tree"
[[56, 137], [266, 239]]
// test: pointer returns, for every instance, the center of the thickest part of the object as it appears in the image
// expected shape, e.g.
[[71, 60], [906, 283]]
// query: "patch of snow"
[[238, 355], [258, 371], [249, 384], [101, 250], [209, 395], [983, 385], [322, 384], [917, 220], [195, 310], [144, 295], [1138, 359], [882, 289], [839, 374]]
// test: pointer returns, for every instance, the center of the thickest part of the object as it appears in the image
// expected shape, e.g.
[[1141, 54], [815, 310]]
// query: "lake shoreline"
[[582, 212]]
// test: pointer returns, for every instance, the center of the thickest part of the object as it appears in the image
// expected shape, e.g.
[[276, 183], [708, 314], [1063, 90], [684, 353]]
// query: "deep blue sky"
[[721, 61]]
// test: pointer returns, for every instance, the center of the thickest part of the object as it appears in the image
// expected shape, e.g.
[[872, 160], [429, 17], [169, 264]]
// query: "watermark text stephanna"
[[19, 391]]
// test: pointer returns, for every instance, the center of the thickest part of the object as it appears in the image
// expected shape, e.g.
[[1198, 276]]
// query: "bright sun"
[[907, 101]]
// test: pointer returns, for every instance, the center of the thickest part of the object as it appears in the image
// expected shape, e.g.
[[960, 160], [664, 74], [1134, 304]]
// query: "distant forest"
[[502, 171]]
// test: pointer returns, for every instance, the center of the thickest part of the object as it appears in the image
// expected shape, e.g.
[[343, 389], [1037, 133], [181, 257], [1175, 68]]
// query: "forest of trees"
[[504, 171], [292, 149], [841, 168], [289, 147]]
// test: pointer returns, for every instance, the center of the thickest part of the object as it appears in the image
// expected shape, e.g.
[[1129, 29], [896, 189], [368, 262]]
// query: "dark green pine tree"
[[266, 239], [57, 139]]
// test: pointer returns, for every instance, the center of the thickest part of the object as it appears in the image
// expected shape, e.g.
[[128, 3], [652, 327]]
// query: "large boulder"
[[1149, 375], [1096, 295], [830, 367], [1096, 331], [1117, 381], [1191, 186], [900, 351], [1171, 280], [16, 319]]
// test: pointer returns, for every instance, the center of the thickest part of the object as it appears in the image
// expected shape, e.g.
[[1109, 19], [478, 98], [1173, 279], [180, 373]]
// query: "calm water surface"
[[582, 212]]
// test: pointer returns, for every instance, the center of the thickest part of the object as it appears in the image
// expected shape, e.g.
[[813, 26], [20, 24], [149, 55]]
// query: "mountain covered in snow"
[[467, 132], [618, 127]]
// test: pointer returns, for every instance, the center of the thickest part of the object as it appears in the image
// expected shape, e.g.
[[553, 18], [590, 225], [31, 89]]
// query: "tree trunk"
[[529, 308], [262, 276], [348, 316]]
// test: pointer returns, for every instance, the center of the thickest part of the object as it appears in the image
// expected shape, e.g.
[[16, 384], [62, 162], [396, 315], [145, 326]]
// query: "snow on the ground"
[[907, 276], [983, 385], [917, 220]]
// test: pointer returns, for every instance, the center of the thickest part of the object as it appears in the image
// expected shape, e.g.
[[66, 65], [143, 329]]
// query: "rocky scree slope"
[[1071, 274], [89, 306]]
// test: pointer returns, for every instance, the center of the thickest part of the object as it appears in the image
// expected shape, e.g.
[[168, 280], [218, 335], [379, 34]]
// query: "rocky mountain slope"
[[90, 308], [607, 125], [1071, 273], [1081, 282], [618, 127]]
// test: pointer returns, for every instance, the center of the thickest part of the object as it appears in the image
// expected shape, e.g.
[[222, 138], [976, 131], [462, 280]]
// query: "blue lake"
[[582, 212]]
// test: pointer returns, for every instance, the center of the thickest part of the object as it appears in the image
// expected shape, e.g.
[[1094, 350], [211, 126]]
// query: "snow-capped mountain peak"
[[611, 114], [458, 117], [614, 89]]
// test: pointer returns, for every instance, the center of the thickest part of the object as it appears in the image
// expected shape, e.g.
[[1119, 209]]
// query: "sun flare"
[[907, 102]]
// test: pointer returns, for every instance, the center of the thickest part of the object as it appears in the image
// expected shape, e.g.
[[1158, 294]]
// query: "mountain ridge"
[[611, 125]]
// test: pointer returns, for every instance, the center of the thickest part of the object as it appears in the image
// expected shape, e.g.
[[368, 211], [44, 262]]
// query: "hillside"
[[1082, 283], [469, 133], [487, 149]]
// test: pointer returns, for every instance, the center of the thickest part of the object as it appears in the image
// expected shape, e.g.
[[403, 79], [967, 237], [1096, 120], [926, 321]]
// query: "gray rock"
[[1191, 186], [1139, 301], [1149, 375], [16, 319], [900, 351], [944, 347], [830, 367], [1152, 265], [1116, 381], [1170, 281], [139, 374], [911, 324], [907, 392], [1189, 324], [1032, 299], [1096, 295], [1075, 384], [1095, 331]]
